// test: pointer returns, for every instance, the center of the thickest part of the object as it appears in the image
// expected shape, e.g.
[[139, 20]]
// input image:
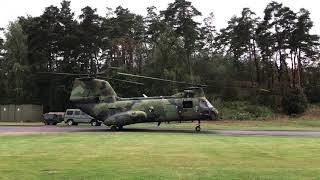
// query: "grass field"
[[125, 155]]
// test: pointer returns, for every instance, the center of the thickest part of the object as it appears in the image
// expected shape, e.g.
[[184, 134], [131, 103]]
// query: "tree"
[[2, 69], [165, 62], [295, 101], [17, 61], [125, 34], [303, 43], [90, 26], [69, 42], [208, 32], [239, 40], [281, 21], [154, 25], [171, 44], [179, 15], [53, 45], [1, 46], [265, 44]]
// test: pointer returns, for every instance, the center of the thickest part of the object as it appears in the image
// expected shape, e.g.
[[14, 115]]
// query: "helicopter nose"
[[214, 114]]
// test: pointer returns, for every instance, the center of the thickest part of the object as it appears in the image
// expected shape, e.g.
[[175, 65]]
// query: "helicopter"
[[94, 95]]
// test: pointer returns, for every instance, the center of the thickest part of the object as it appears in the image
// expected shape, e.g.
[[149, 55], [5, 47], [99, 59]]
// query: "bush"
[[313, 94], [230, 94], [258, 110], [241, 110], [295, 101]]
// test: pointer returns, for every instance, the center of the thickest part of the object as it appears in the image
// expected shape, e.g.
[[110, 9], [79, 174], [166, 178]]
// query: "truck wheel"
[[94, 123], [70, 122]]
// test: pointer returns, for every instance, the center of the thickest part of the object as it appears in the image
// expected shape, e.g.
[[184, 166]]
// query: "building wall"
[[18, 113]]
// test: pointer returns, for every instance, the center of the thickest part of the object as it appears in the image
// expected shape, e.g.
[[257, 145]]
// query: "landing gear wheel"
[[94, 123], [98, 124], [198, 128], [70, 122], [113, 128], [120, 127]]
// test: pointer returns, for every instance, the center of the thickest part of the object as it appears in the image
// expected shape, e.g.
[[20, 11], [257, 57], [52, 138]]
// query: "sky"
[[223, 10]]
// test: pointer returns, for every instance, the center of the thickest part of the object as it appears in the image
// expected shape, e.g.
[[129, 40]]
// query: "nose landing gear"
[[198, 127]]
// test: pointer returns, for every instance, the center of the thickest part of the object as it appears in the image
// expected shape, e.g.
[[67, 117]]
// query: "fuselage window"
[[187, 104]]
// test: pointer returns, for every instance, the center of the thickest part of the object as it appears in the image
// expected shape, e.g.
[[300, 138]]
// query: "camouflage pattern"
[[98, 99]]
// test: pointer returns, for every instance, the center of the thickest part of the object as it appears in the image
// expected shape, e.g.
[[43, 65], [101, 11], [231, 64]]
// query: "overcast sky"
[[222, 9]]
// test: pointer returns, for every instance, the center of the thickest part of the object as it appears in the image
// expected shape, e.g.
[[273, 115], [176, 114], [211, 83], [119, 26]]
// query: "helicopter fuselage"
[[98, 99], [127, 111]]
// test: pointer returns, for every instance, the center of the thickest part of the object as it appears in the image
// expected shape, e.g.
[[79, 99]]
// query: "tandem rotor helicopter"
[[96, 97]]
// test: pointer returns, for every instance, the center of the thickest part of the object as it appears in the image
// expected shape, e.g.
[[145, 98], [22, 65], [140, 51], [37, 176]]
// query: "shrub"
[[230, 94], [313, 94], [258, 110], [295, 101]]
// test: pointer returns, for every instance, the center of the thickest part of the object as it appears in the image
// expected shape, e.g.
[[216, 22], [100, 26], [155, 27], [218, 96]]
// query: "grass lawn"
[[125, 155]]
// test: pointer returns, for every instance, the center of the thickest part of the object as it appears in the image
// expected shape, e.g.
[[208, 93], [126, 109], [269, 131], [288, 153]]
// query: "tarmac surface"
[[103, 129]]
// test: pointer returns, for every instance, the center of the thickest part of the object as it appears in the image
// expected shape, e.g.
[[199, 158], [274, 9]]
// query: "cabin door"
[[189, 109]]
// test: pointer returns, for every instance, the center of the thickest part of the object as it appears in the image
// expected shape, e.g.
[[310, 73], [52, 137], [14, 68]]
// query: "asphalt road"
[[103, 129]]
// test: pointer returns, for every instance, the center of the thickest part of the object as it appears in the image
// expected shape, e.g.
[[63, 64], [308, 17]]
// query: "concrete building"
[[21, 113]]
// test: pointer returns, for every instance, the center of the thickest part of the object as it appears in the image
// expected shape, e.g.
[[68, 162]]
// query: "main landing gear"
[[115, 128], [198, 128]]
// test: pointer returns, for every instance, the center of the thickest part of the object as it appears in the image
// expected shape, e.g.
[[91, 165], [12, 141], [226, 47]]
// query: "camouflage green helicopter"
[[97, 98]]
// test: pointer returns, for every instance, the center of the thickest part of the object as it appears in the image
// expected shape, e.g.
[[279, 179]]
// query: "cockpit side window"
[[203, 104]]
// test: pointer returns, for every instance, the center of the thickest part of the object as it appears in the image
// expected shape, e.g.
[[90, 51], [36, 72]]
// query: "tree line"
[[266, 56]]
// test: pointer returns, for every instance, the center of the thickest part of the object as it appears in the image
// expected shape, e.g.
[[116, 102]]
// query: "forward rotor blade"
[[158, 79], [240, 87], [63, 74], [104, 72]]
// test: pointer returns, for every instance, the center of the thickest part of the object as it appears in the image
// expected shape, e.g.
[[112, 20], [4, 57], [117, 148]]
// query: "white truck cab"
[[75, 116]]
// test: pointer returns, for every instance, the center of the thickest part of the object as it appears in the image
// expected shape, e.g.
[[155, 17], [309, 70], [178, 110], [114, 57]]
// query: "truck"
[[53, 118], [76, 116], [70, 117]]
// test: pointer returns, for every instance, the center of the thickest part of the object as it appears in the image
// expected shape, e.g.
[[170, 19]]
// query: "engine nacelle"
[[126, 118]]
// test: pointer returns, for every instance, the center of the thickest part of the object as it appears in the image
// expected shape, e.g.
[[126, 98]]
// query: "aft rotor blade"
[[121, 80], [157, 79]]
